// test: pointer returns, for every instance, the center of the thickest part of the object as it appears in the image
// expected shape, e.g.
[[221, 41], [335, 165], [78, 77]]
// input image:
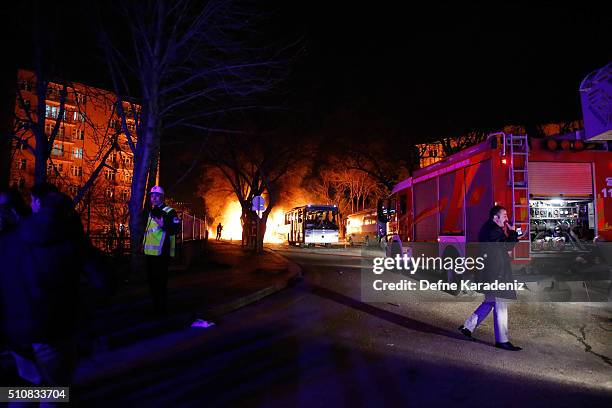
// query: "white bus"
[[362, 228], [312, 224]]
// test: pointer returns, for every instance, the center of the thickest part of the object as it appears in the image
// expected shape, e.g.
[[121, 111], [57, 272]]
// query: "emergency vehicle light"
[[575, 145]]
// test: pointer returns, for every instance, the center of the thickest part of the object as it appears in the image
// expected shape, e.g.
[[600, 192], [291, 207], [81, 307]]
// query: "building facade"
[[87, 130]]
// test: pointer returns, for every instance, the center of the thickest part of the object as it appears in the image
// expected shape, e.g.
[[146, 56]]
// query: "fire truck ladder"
[[519, 182]]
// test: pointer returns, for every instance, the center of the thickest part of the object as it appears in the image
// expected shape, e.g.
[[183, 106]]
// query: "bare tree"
[[352, 190], [254, 164], [42, 129], [190, 62], [452, 145]]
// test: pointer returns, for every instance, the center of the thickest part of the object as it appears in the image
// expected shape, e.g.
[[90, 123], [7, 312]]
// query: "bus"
[[362, 227], [312, 224]]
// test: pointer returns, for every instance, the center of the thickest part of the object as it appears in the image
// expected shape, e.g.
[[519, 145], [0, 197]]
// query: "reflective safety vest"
[[154, 237]]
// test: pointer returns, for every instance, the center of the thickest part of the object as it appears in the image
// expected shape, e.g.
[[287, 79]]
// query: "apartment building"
[[87, 129]]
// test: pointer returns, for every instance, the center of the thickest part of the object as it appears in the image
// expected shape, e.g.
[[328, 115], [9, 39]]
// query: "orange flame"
[[232, 227], [276, 230]]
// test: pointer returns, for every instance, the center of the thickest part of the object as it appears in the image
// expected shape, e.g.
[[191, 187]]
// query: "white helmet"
[[157, 189]]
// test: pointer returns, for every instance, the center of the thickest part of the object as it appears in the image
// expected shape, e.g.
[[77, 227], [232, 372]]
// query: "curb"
[[295, 274], [182, 320], [329, 254]]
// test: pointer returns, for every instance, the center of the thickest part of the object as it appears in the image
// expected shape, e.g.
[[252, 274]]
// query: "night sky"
[[440, 71], [432, 71]]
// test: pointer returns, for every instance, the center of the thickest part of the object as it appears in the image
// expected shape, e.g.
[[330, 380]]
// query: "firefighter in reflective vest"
[[159, 243]]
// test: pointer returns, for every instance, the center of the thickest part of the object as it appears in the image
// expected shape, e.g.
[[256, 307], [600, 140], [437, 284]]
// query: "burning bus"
[[557, 190], [312, 224], [362, 227]]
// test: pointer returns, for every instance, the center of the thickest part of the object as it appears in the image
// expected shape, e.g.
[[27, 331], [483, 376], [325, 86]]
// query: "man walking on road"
[[219, 229], [497, 268], [161, 228]]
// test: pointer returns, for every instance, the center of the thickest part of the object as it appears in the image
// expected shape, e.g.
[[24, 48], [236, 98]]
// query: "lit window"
[[58, 149], [109, 174], [77, 153], [78, 117], [22, 164], [52, 111], [109, 192]]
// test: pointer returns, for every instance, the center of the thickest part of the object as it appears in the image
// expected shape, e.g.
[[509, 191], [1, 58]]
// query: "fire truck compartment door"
[[555, 179]]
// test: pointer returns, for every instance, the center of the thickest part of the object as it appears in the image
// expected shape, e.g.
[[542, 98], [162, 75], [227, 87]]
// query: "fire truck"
[[557, 191]]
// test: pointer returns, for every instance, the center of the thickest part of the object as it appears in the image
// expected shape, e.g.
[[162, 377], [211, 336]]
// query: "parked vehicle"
[[557, 191], [361, 228], [312, 224]]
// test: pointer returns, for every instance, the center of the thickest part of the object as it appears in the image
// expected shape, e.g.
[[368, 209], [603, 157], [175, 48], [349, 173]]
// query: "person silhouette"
[[219, 229]]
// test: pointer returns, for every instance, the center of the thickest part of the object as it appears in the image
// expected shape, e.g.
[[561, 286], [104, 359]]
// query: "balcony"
[[60, 155], [53, 94]]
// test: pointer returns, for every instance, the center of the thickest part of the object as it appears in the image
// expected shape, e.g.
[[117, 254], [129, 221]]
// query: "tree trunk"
[[262, 229], [142, 163]]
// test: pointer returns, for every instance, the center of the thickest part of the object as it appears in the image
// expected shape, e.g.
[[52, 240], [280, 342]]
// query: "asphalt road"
[[318, 344]]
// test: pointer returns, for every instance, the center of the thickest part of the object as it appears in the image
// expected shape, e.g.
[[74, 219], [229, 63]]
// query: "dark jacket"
[[497, 263], [41, 261]]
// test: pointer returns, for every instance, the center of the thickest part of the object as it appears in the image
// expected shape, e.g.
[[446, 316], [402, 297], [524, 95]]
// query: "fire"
[[232, 228], [276, 230]]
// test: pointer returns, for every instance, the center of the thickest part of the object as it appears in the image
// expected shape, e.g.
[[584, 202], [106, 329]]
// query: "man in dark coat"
[[500, 238], [42, 260]]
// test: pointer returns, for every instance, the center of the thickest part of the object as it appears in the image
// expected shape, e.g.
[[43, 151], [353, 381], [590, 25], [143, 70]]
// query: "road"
[[318, 344]]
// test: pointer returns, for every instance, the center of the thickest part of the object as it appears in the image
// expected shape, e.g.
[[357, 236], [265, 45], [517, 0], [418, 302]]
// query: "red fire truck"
[[557, 190]]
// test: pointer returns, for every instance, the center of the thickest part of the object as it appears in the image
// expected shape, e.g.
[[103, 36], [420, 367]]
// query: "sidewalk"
[[125, 332], [224, 279]]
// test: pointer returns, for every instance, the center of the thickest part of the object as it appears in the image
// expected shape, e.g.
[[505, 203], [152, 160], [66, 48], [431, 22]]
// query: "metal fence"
[[192, 229]]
